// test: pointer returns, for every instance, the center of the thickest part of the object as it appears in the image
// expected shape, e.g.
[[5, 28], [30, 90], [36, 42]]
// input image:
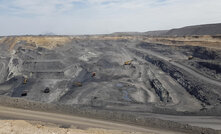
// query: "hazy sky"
[[103, 16]]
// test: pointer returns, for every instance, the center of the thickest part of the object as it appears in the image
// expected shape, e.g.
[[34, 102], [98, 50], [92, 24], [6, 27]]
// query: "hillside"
[[208, 29]]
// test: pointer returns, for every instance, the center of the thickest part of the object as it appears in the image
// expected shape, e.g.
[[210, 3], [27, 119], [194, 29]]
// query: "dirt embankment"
[[213, 42], [48, 42]]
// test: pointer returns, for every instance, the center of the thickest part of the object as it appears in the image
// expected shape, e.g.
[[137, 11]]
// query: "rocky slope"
[[111, 72]]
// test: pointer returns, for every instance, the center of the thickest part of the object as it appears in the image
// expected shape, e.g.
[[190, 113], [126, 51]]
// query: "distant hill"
[[127, 33], [48, 34], [156, 33], [208, 29]]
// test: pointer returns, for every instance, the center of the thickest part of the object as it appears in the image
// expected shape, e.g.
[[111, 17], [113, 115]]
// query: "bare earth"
[[24, 127], [177, 79]]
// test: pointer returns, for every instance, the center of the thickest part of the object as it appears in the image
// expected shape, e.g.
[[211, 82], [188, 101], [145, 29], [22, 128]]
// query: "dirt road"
[[14, 113], [213, 122]]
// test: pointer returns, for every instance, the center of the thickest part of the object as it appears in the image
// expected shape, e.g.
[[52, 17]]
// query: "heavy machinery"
[[190, 57], [78, 84], [24, 93], [128, 62], [93, 74], [25, 81], [47, 90]]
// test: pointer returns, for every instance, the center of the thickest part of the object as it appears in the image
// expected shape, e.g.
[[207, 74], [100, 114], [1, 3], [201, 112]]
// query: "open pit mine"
[[167, 77]]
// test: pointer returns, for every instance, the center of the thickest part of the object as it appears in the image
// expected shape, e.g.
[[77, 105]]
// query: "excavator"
[[128, 62], [46, 90]]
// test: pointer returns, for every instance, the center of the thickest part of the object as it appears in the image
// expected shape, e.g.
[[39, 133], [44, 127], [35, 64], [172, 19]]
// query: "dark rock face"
[[161, 91], [201, 52], [194, 87], [212, 66]]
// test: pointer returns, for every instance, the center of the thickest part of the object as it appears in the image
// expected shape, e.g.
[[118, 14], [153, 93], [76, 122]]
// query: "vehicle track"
[[14, 113], [190, 71]]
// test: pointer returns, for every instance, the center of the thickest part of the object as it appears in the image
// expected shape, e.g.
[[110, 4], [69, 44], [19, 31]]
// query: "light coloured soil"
[[51, 42], [39, 41], [24, 127], [203, 41]]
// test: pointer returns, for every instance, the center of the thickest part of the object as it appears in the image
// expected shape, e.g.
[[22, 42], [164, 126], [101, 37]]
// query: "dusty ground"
[[56, 122], [166, 75], [24, 127]]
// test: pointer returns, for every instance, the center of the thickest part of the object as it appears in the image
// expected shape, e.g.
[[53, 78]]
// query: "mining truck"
[[78, 84], [190, 57], [25, 81]]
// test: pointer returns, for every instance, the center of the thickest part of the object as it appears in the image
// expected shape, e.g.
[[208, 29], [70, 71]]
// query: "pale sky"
[[75, 17]]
